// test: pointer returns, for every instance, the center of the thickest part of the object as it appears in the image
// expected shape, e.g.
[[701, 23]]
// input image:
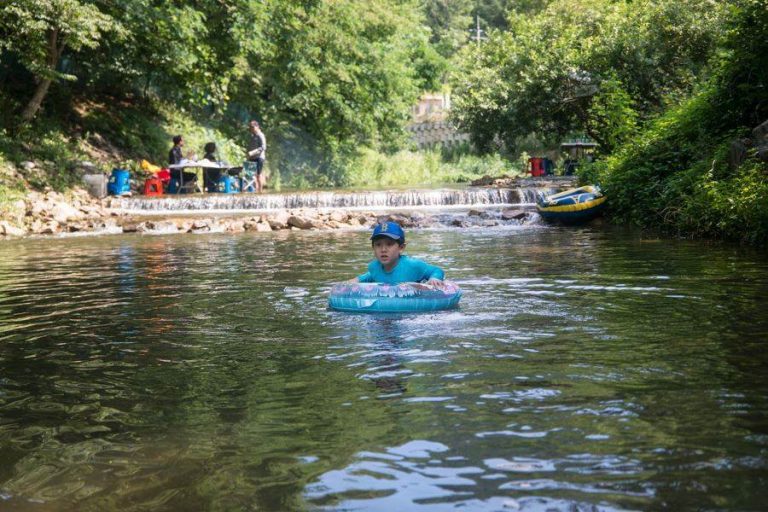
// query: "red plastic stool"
[[164, 175], [153, 187]]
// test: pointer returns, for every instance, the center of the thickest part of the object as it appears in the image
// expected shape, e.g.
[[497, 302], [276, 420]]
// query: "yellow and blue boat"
[[575, 205]]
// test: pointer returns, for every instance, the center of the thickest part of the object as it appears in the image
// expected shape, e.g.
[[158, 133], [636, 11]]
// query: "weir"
[[333, 199]]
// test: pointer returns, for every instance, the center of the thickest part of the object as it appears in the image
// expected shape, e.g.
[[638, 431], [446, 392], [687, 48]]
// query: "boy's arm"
[[434, 272], [430, 272], [364, 278]]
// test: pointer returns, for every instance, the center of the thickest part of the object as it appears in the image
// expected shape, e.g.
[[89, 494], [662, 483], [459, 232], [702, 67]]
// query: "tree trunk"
[[37, 99], [54, 54]]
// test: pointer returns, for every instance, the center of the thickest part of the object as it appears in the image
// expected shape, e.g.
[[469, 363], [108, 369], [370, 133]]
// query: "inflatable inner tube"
[[400, 298]]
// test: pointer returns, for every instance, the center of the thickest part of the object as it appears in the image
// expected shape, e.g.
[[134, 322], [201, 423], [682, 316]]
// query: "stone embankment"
[[505, 181], [51, 213]]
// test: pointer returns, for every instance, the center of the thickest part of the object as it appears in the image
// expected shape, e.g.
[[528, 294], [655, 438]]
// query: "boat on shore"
[[572, 206]]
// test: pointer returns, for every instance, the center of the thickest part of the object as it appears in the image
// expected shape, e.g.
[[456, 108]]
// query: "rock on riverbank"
[[49, 213]]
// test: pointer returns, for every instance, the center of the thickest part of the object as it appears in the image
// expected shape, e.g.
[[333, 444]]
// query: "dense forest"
[[671, 90]]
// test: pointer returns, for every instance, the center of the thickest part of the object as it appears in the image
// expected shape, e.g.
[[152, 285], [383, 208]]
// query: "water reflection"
[[584, 370]]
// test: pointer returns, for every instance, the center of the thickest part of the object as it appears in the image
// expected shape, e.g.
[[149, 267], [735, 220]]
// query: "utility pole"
[[478, 32]]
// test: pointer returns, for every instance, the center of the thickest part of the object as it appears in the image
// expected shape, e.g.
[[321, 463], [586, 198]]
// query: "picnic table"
[[204, 164]]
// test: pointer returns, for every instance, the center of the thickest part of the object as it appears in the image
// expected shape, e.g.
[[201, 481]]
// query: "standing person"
[[174, 157], [257, 154]]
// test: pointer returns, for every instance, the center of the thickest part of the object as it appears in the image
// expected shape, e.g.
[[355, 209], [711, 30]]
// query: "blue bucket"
[[227, 185], [119, 182], [173, 186]]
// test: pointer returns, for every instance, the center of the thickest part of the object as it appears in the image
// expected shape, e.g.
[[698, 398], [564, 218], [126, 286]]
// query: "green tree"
[[546, 72], [677, 173], [449, 21], [39, 31], [335, 75], [494, 13], [326, 77], [189, 54]]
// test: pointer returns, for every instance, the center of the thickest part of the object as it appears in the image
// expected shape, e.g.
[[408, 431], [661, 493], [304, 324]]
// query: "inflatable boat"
[[575, 205]]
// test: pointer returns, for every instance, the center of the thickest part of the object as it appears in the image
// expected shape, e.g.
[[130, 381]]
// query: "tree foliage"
[[326, 75], [334, 80], [554, 71], [677, 173], [38, 32], [449, 22]]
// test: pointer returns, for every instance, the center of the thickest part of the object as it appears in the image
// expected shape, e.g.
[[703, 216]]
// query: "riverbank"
[[77, 213]]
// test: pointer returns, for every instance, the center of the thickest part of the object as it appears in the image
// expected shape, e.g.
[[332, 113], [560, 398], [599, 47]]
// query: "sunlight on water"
[[585, 369]]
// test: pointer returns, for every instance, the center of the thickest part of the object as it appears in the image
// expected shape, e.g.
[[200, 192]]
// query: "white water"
[[442, 198]]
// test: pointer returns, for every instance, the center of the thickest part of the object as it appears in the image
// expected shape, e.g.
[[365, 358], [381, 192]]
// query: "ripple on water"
[[403, 477], [422, 475], [522, 395], [181, 373], [520, 465]]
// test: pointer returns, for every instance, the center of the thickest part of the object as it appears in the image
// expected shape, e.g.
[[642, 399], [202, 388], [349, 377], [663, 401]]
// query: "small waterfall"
[[528, 195], [331, 199]]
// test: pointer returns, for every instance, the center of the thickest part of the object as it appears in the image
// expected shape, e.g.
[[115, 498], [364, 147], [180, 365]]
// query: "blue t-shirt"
[[407, 270]]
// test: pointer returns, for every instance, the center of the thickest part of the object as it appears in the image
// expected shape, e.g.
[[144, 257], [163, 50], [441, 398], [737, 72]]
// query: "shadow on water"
[[585, 369]]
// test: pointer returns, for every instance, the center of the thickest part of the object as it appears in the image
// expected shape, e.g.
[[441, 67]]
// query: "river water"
[[586, 369]]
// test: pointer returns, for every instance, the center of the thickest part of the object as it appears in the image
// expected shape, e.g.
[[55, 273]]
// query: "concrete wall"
[[429, 127], [435, 134]]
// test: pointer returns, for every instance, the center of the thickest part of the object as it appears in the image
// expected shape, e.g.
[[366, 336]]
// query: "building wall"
[[429, 126], [435, 134]]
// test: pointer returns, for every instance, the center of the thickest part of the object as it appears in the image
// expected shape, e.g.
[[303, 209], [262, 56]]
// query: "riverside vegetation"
[[672, 90]]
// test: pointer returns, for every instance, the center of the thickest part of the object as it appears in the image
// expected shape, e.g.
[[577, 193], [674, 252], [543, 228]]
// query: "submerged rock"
[[514, 214]]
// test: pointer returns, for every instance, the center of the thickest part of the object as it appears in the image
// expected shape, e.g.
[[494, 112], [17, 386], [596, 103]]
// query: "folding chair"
[[248, 181], [248, 177]]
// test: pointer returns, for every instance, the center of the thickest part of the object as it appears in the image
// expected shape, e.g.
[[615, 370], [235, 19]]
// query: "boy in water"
[[393, 267]]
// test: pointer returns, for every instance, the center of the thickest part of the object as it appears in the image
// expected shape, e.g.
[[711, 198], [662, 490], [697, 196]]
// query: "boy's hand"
[[436, 283]]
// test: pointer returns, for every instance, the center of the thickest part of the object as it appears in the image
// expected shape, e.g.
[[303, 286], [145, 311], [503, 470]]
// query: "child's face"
[[387, 251]]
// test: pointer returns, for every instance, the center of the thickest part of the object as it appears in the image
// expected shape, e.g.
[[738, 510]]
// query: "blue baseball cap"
[[389, 229]]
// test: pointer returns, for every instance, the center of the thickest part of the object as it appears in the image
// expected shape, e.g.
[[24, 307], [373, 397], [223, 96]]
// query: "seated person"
[[569, 167], [393, 267], [211, 176], [175, 157]]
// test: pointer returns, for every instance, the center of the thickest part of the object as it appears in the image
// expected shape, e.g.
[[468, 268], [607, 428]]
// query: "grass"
[[372, 168]]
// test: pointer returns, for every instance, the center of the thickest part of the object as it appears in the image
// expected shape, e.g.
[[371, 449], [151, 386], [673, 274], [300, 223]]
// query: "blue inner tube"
[[400, 298]]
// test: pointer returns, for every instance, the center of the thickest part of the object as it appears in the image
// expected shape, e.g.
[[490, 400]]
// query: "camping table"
[[202, 164]]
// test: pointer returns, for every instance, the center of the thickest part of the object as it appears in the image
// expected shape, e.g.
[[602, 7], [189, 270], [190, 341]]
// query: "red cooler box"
[[536, 166]]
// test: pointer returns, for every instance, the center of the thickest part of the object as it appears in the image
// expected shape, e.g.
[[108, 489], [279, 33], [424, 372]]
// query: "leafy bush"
[[675, 175], [735, 206]]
